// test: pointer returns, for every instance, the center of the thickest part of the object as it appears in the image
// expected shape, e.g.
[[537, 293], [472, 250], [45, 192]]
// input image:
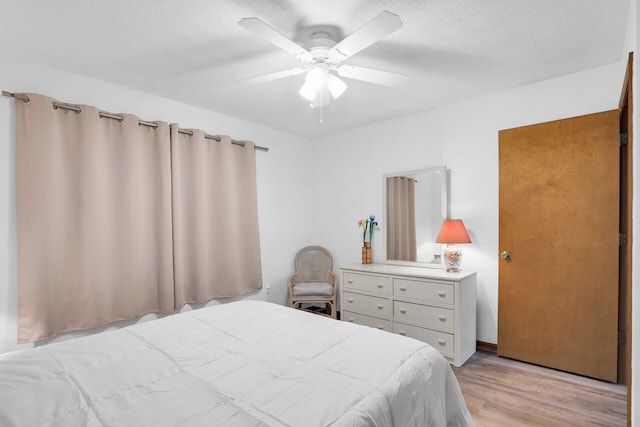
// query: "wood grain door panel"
[[558, 218]]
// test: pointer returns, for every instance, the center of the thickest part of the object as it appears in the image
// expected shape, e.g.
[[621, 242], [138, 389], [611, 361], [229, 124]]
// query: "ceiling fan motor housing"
[[319, 45]]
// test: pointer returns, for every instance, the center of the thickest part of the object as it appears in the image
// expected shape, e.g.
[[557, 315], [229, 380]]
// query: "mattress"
[[245, 363]]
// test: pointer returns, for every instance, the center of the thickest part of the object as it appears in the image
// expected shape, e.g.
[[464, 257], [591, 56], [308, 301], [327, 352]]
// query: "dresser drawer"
[[367, 282], [361, 319], [433, 317], [424, 290], [367, 303], [441, 341]]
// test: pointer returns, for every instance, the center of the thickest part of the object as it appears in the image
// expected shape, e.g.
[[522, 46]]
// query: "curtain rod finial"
[[25, 98]]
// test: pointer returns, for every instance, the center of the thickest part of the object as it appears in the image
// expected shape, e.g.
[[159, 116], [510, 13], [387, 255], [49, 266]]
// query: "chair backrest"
[[313, 263]]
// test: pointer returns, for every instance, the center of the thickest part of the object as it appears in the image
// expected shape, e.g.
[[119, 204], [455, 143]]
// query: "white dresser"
[[430, 305]]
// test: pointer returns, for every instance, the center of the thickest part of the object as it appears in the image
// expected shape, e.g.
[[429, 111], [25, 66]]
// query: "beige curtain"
[[215, 218], [93, 199], [401, 219]]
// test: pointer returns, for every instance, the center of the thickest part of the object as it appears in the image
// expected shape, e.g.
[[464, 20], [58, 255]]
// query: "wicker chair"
[[313, 281]]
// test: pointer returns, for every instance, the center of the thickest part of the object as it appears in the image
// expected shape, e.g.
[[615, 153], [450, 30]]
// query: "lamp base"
[[452, 259]]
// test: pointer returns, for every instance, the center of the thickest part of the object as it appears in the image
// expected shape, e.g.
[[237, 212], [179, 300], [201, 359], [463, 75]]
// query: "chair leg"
[[332, 312]]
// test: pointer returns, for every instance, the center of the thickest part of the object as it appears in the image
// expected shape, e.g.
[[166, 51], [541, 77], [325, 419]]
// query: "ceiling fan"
[[323, 60]]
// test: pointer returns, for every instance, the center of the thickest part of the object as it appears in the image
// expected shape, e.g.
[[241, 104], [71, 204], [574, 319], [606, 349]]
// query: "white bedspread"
[[245, 363]]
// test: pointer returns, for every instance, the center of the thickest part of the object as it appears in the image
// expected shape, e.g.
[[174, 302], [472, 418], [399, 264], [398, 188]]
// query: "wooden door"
[[558, 219]]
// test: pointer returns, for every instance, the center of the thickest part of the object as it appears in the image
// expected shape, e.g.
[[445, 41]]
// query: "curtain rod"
[[103, 114]]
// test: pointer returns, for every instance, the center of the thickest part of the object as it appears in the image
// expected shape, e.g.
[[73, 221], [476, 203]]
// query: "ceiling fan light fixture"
[[308, 91], [322, 98], [336, 85], [316, 77], [313, 82]]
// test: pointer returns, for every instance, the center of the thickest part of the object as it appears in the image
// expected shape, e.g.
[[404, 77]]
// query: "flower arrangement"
[[368, 225]]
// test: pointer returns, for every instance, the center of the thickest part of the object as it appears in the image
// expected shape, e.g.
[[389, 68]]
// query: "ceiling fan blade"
[[371, 75], [272, 76], [274, 37], [377, 28]]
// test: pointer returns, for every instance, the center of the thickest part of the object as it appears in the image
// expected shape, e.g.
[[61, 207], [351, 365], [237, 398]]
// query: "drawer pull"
[[442, 318], [380, 327], [404, 333], [380, 306], [350, 299], [442, 294], [403, 288], [380, 285], [403, 310], [350, 281], [350, 319], [441, 341]]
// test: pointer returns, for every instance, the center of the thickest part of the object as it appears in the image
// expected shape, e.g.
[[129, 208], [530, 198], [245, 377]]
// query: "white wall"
[[348, 167], [281, 172]]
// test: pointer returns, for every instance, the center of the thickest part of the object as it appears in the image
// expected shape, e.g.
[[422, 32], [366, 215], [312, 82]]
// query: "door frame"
[[626, 227]]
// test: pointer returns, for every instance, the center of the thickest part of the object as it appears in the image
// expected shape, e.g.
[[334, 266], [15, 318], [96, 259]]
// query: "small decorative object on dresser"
[[368, 225], [429, 305], [452, 232]]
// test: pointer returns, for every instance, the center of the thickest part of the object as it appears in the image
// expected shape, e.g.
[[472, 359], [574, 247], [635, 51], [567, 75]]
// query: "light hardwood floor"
[[503, 392]]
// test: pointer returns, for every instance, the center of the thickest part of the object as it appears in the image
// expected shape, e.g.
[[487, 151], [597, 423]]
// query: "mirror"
[[415, 204]]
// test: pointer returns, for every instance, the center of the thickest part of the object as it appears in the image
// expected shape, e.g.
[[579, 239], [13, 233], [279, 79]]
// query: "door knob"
[[505, 255]]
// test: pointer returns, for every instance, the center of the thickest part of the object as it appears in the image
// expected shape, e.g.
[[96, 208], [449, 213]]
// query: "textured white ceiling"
[[194, 50]]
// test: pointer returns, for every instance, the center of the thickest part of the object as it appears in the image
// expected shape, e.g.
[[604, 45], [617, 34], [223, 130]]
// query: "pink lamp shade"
[[453, 231]]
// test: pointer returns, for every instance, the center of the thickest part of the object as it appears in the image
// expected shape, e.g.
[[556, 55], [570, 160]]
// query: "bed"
[[245, 363]]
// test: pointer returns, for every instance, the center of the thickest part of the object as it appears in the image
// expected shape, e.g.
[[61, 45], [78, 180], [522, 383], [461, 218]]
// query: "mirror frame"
[[444, 211]]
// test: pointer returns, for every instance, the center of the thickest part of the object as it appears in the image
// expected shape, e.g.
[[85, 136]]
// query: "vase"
[[366, 253]]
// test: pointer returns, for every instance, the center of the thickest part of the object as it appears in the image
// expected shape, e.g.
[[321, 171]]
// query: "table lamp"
[[452, 232]]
